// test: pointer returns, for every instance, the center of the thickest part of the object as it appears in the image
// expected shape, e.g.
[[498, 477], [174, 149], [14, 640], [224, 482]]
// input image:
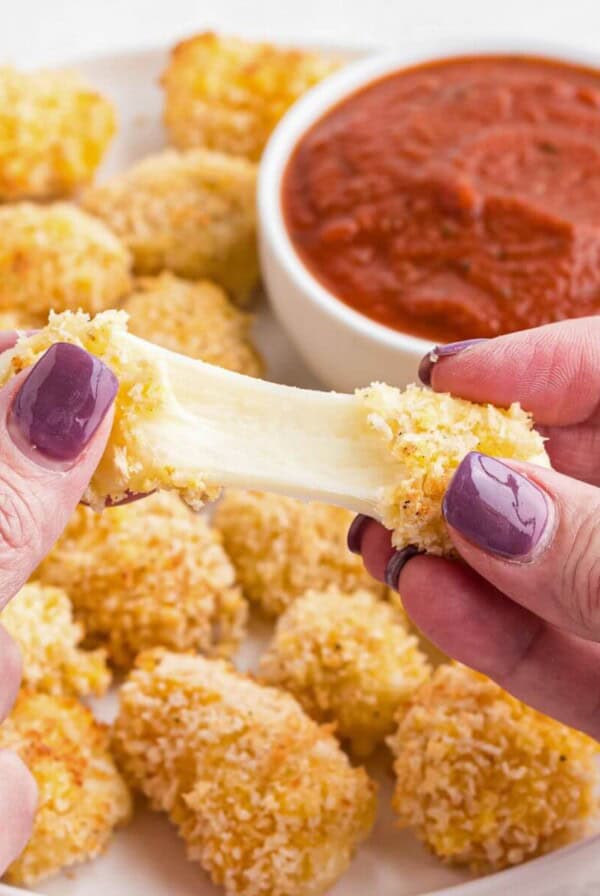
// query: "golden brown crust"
[[264, 798], [348, 659], [56, 257], [40, 619], [193, 318], [54, 129], [81, 795], [485, 780], [281, 548], [191, 213], [228, 94], [149, 574]]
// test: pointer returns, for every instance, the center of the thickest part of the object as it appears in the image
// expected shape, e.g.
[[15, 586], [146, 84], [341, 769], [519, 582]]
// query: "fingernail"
[[496, 508], [442, 351], [356, 532], [396, 564], [61, 404]]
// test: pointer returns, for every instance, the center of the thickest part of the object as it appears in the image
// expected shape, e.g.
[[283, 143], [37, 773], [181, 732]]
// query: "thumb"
[[55, 419], [534, 534]]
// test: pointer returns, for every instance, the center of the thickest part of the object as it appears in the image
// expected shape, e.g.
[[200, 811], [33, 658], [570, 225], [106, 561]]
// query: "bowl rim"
[[316, 103]]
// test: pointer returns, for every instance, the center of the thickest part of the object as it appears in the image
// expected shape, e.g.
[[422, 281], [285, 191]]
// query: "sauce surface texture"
[[456, 199]]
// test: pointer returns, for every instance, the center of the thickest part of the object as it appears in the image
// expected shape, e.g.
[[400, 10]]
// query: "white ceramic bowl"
[[343, 348]]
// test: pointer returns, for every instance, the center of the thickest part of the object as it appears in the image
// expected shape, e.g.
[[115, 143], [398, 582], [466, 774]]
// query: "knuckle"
[[19, 520], [580, 575]]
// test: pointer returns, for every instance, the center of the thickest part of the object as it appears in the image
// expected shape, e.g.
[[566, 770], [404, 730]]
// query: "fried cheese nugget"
[[264, 798], [54, 130], [485, 780], [40, 619], [228, 94], [192, 213], [81, 795]]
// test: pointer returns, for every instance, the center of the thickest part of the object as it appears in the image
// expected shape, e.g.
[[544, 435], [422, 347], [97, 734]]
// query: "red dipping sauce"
[[456, 199]]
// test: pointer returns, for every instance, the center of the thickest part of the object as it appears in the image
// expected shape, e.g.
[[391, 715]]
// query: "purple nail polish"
[[356, 532], [442, 351], [396, 564], [61, 404], [496, 508]]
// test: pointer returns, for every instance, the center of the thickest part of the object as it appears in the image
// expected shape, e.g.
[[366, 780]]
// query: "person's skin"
[[54, 422], [523, 603]]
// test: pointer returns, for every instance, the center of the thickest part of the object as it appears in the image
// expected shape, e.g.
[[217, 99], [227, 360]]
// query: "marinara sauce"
[[456, 199]]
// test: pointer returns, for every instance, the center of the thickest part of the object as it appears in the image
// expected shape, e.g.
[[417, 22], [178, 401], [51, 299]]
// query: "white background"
[[35, 31]]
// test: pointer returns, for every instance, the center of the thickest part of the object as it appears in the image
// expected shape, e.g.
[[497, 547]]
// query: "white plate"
[[147, 858]]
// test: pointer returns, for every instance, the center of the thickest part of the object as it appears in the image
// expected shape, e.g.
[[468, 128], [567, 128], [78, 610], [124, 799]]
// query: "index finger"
[[553, 371]]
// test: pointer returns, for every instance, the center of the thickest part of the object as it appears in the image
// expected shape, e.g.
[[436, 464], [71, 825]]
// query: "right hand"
[[55, 420]]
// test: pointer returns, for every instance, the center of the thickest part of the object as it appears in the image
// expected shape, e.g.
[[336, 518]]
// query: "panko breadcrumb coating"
[[282, 548], [228, 94], [185, 425], [191, 213], [428, 434], [485, 780], [54, 131], [196, 319], [150, 573], [347, 659], [264, 798], [58, 257], [40, 620], [81, 795]]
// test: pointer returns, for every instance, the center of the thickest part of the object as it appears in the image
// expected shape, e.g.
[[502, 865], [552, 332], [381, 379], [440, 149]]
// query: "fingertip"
[[10, 672], [18, 805], [376, 548]]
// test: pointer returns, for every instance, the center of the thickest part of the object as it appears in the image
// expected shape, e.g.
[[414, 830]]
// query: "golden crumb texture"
[[128, 464], [426, 435], [485, 780], [191, 213], [57, 257], [264, 798], [81, 795], [40, 619], [148, 574], [228, 94], [348, 660], [282, 547], [54, 131], [195, 319]]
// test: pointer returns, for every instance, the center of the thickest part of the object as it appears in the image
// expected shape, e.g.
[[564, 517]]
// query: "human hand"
[[524, 606], [54, 423]]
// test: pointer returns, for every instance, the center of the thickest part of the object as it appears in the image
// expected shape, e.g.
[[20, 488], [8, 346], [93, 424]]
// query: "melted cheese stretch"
[[186, 425]]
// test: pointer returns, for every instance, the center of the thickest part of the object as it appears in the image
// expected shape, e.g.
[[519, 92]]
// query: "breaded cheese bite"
[[56, 257], [485, 780], [228, 94], [81, 795], [40, 619], [347, 659], [282, 547], [151, 573], [193, 318], [264, 798], [191, 213], [54, 130]]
